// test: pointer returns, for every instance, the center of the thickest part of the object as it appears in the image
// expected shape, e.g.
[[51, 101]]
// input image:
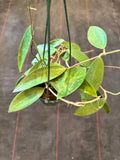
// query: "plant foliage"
[[85, 76]]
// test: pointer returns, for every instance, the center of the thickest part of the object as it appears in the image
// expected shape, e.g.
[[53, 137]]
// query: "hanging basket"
[[51, 100]]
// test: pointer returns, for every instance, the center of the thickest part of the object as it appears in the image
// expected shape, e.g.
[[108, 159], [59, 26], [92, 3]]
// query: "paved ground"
[[36, 137]]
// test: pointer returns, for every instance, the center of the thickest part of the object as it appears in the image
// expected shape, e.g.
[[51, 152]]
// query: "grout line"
[[115, 19], [3, 28]]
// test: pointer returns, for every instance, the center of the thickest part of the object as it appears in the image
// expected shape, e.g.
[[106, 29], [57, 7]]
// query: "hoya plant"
[[86, 75]]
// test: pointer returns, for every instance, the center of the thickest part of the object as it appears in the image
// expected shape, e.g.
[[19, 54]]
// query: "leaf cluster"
[[86, 78]]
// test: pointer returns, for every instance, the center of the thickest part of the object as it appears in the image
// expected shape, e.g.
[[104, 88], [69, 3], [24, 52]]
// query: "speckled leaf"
[[90, 108], [24, 47], [87, 88], [106, 106], [95, 73], [40, 76], [97, 37], [77, 53], [56, 42], [25, 99], [69, 81]]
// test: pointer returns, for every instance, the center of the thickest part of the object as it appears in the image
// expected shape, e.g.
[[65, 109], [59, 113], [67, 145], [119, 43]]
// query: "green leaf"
[[80, 57], [40, 49], [95, 73], [74, 46], [42, 61], [24, 47], [85, 97], [94, 77], [97, 37], [38, 65], [106, 106], [40, 76], [90, 108], [69, 81], [77, 53], [25, 99], [65, 56], [34, 61], [56, 42], [20, 79], [30, 70], [87, 88]]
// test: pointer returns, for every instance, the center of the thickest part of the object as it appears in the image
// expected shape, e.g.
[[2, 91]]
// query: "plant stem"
[[67, 64], [114, 67], [37, 49], [32, 33], [77, 64], [106, 53], [78, 104], [100, 55], [105, 92], [66, 101]]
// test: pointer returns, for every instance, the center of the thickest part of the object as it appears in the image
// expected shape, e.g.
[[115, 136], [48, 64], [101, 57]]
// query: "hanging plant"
[[51, 81]]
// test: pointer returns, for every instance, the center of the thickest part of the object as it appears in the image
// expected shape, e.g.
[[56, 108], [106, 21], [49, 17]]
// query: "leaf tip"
[[16, 89], [10, 110]]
